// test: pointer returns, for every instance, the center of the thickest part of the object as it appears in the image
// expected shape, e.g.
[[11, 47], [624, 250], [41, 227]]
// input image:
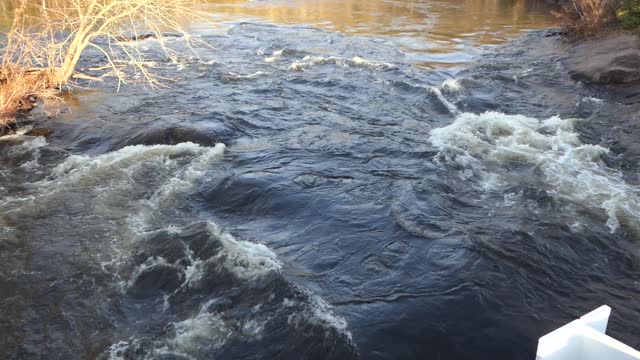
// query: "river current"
[[311, 190]]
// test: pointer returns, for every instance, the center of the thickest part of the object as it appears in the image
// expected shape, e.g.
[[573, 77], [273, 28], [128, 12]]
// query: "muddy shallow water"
[[309, 190]]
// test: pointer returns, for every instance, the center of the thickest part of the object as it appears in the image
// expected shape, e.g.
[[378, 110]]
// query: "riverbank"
[[613, 58], [534, 75], [586, 79], [610, 66]]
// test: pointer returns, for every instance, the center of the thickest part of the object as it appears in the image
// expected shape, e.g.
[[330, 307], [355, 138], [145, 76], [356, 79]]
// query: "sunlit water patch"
[[432, 34]]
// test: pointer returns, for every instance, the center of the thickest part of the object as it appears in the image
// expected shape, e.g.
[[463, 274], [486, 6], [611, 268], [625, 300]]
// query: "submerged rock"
[[608, 60], [173, 135]]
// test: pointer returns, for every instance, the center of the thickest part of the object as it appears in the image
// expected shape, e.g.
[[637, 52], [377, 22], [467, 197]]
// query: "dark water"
[[363, 207]]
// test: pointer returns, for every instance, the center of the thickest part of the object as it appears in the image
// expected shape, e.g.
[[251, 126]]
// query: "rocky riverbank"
[[536, 75], [610, 66], [610, 59]]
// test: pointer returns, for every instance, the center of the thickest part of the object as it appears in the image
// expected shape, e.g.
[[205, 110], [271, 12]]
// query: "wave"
[[207, 292], [275, 56], [243, 297], [148, 177], [485, 146], [310, 61], [235, 76]]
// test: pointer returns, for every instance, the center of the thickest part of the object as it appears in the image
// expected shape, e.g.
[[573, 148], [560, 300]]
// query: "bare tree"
[[48, 37]]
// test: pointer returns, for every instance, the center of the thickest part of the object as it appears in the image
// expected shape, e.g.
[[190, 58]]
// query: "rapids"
[[305, 193]]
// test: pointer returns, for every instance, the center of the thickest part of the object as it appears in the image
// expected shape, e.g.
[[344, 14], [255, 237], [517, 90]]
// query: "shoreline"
[[609, 108]]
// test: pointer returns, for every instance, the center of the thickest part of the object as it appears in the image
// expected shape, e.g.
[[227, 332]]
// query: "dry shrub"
[[48, 37], [20, 87], [19, 91], [586, 18]]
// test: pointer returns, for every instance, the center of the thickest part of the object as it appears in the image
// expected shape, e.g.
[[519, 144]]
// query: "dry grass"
[[586, 18], [18, 92], [48, 37]]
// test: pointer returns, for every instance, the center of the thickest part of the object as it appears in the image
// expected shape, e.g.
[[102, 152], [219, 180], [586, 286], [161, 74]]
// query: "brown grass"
[[586, 18], [18, 92], [48, 37]]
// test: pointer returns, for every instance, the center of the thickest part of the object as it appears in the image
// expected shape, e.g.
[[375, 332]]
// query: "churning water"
[[324, 191]]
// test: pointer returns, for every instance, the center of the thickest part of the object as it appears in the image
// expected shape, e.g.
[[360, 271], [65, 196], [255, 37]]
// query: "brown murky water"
[[442, 33], [432, 33]]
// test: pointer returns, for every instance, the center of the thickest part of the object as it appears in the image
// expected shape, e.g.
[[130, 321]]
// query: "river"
[[325, 180]]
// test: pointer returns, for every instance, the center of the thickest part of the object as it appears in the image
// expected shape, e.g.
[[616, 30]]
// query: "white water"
[[450, 107], [275, 56], [28, 145], [202, 332], [484, 146], [130, 187], [174, 168], [78, 166], [356, 61], [192, 338], [236, 76], [451, 85], [246, 260]]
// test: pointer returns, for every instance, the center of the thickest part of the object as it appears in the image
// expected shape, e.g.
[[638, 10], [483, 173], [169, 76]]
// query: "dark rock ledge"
[[611, 59]]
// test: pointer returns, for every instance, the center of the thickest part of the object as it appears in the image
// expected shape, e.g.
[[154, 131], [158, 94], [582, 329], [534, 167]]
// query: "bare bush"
[[585, 18], [48, 37]]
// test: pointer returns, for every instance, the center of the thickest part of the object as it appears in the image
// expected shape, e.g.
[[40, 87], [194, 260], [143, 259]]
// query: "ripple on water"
[[196, 280]]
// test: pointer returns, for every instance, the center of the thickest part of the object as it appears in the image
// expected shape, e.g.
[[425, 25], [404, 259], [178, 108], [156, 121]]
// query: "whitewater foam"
[[450, 107], [76, 166], [175, 169], [20, 132], [484, 146], [246, 259], [319, 312], [201, 333], [193, 338], [592, 100], [136, 189], [451, 85], [31, 145], [236, 76], [275, 56], [309, 61]]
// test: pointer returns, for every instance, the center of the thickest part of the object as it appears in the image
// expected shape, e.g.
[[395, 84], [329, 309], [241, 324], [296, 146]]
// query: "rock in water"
[[612, 59]]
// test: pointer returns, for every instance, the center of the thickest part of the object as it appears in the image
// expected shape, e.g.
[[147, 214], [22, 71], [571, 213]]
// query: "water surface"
[[431, 33], [316, 185]]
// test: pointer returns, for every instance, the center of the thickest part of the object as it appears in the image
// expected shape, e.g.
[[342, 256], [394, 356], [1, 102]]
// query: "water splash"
[[310, 61], [487, 145]]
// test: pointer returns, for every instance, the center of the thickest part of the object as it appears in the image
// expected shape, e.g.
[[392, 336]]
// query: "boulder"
[[613, 59]]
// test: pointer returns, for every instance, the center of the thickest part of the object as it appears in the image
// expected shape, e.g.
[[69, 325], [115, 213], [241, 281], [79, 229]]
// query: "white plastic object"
[[585, 339]]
